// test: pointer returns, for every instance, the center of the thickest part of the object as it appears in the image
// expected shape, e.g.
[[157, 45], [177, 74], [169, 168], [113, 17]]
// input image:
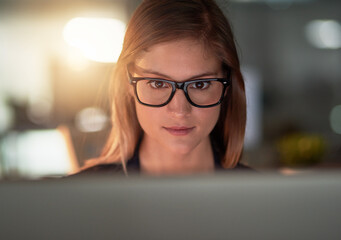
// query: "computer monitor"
[[222, 206]]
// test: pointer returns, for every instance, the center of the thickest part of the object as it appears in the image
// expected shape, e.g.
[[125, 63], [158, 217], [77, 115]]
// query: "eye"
[[200, 85], [158, 84]]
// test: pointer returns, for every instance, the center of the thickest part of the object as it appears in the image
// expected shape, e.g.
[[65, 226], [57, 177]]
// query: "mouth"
[[179, 131]]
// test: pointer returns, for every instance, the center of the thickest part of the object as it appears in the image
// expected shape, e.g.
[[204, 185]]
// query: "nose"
[[179, 105]]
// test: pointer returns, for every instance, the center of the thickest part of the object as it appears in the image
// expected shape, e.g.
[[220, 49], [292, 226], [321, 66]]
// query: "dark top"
[[133, 166]]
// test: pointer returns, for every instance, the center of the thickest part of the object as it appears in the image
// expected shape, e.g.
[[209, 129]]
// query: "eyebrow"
[[148, 71]]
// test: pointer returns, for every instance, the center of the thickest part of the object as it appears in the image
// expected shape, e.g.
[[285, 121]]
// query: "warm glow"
[[99, 39]]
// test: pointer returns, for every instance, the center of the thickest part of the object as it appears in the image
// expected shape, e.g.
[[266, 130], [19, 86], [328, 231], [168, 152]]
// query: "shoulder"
[[241, 166], [102, 169]]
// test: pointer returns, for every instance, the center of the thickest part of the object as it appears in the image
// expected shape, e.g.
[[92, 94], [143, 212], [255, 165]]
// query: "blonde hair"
[[157, 21]]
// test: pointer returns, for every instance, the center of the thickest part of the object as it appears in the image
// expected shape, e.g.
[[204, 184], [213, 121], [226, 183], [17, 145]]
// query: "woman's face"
[[177, 127]]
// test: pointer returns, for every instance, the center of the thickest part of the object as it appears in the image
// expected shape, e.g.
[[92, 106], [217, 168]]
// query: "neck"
[[160, 160]]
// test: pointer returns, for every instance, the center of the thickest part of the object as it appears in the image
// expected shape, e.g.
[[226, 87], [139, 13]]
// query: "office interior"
[[57, 58]]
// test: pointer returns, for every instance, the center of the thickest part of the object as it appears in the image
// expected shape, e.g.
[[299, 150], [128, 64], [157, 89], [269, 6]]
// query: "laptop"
[[221, 206]]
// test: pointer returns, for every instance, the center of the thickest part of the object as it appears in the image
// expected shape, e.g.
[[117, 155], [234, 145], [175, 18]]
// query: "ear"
[[226, 91], [228, 74], [131, 90]]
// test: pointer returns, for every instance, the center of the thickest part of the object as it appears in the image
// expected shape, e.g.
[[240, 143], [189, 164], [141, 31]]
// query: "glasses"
[[201, 93]]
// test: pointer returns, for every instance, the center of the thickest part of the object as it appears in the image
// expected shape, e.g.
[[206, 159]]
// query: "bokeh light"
[[91, 120], [325, 34], [335, 119], [99, 39], [38, 153]]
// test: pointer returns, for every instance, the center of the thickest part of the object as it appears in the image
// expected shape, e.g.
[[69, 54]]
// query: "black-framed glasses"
[[201, 93]]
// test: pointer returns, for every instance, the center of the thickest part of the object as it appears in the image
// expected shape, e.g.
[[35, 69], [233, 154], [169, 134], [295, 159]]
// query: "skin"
[[165, 148]]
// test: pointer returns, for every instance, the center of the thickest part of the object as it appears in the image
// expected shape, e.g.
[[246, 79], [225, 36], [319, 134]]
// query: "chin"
[[181, 147]]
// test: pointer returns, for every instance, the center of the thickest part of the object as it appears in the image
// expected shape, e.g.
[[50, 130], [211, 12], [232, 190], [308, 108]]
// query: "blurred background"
[[56, 59]]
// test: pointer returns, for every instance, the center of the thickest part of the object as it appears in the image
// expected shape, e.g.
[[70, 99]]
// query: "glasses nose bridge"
[[179, 85]]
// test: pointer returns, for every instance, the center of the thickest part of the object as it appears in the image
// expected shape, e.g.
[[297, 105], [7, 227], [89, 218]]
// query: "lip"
[[179, 131]]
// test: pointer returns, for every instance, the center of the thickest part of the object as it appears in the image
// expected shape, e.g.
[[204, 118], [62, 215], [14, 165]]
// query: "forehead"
[[179, 59]]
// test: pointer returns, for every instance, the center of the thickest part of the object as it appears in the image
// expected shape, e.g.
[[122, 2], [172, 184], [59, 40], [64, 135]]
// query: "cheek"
[[146, 116], [205, 118], [208, 117]]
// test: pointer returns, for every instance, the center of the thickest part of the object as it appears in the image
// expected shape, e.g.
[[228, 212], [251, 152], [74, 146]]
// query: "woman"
[[178, 102]]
